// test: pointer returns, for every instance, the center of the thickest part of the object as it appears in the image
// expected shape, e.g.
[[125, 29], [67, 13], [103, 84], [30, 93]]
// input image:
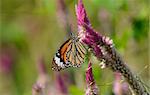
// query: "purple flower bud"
[[89, 74], [91, 86]]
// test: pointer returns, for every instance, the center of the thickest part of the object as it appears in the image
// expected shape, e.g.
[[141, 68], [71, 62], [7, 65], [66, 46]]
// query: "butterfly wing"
[[70, 54], [76, 54]]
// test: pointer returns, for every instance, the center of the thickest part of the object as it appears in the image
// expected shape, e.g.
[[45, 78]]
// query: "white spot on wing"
[[57, 60]]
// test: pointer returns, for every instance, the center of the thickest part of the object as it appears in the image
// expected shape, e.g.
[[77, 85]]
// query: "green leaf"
[[74, 90]]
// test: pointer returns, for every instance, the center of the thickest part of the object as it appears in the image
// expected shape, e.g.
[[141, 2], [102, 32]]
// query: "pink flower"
[[91, 85], [81, 14]]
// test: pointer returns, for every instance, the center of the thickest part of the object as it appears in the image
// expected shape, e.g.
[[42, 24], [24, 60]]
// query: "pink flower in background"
[[117, 84], [120, 88], [61, 85], [62, 13], [41, 66], [7, 58], [41, 85], [37, 90], [5, 62]]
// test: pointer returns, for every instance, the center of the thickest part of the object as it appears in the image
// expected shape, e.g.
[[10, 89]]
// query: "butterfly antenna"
[[68, 28]]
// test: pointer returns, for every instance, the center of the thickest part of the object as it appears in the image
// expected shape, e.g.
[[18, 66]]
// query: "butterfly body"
[[70, 54]]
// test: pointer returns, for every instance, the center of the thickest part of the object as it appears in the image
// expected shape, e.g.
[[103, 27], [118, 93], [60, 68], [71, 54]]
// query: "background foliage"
[[32, 30]]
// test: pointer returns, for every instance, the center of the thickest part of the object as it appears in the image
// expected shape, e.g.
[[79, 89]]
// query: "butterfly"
[[70, 54]]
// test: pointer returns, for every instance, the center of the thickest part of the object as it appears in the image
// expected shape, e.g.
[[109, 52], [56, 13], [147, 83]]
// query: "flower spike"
[[81, 14], [104, 49]]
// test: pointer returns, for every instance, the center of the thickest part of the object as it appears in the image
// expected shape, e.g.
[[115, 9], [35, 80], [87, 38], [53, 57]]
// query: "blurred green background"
[[33, 30]]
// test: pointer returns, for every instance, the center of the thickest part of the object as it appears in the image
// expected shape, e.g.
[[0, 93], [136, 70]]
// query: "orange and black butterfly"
[[70, 54]]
